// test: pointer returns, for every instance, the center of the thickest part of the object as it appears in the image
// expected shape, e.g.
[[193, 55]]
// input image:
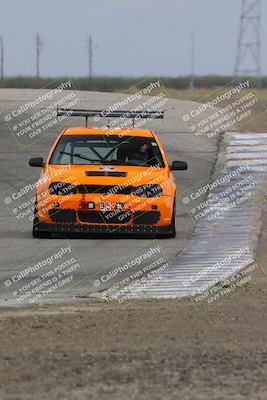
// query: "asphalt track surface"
[[95, 256]]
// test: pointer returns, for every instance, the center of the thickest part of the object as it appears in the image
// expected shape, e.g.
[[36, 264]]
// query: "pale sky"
[[133, 37]]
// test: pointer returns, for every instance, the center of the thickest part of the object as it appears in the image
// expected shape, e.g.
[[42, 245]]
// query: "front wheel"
[[173, 223], [172, 233], [35, 232]]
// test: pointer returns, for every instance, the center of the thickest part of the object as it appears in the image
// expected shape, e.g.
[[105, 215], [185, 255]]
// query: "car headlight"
[[62, 188], [149, 190]]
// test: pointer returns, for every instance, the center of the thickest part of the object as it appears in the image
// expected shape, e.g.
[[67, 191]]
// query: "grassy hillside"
[[119, 84]]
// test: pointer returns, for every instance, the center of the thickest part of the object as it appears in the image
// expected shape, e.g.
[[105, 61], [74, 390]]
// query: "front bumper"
[[138, 217], [135, 211], [102, 229]]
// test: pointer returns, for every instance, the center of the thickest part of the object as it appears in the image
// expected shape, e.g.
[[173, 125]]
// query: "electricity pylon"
[[248, 60]]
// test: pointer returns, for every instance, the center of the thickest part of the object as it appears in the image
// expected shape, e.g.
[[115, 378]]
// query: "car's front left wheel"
[[35, 232]]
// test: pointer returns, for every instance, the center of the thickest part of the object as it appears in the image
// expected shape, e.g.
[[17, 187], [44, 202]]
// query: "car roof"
[[98, 131]]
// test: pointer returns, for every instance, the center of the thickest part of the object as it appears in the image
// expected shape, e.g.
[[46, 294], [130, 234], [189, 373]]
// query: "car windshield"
[[107, 149]]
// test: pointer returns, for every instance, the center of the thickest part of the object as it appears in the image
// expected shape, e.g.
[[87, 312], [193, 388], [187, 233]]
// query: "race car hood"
[[106, 175]]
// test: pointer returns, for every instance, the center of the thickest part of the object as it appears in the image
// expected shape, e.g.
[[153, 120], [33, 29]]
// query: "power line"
[[248, 60]]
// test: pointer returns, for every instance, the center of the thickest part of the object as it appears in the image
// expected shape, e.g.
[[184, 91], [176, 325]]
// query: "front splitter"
[[102, 229]]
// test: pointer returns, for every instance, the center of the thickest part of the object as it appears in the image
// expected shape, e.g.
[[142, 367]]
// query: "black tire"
[[172, 234], [173, 223], [35, 232], [40, 235]]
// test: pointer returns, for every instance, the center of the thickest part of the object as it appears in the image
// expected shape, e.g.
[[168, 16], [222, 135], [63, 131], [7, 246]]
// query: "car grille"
[[140, 191], [109, 217], [107, 189], [62, 216], [146, 218]]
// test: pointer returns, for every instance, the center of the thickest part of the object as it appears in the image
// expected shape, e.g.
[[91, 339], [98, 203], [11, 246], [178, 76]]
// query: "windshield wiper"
[[78, 156]]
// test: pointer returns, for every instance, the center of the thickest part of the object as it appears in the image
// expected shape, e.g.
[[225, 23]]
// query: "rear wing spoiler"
[[109, 114]]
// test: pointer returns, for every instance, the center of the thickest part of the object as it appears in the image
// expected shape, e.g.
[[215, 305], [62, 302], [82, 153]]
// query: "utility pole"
[[192, 81], [1, 59], [90, 56], [248, 60], [39, 46]]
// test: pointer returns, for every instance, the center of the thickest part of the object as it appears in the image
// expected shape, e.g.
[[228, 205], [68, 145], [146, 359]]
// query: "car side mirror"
[[36, 162], [179, 166]]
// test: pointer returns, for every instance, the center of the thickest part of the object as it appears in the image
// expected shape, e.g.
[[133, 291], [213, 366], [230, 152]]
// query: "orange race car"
[[97, 180]]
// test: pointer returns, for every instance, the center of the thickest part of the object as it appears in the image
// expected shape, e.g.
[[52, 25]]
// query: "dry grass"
[[256, 123]]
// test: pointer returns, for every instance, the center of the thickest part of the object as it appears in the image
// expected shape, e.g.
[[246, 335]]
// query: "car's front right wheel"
[[172, 226], [173, 223]]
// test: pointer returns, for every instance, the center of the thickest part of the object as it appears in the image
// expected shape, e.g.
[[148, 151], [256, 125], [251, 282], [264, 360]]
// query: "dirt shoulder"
[[146, 350]]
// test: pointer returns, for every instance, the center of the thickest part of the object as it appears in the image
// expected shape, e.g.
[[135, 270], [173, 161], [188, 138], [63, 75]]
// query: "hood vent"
[[106, 173]]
